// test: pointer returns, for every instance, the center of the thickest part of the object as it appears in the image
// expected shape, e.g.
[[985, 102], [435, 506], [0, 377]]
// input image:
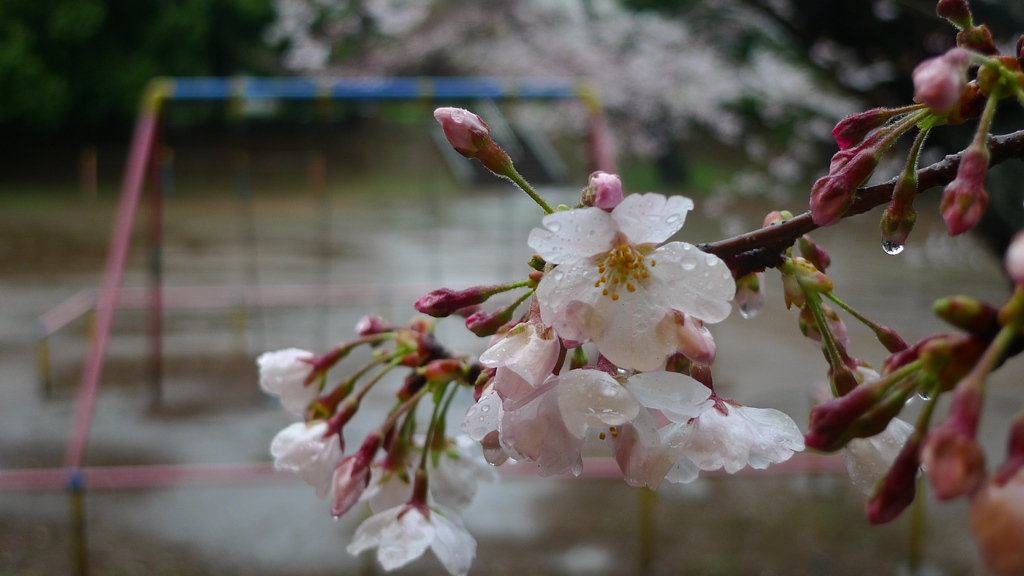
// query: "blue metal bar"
[[377, 88]]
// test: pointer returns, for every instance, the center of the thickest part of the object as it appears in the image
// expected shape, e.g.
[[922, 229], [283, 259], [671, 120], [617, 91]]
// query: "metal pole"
[[156, 297]]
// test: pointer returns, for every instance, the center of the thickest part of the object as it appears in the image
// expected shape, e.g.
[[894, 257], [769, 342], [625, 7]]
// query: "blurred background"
[[728, 101]]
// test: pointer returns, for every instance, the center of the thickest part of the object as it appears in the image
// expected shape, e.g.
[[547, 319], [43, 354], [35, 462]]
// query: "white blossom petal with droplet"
[[678, 396], [694, 282], [483, 417], [593, 398], [651, 218], [529, 349], [570, 235]]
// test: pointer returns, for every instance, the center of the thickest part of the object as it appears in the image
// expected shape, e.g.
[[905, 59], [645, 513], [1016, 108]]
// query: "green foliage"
[[81, 65]]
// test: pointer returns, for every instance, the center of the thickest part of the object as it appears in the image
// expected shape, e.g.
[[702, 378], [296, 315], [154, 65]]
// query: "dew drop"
[[672, 219], [710, 259], [554, 226], [689, 264], [558, 275], [485, 408], [458, 116], [924, 395], [891, 248]]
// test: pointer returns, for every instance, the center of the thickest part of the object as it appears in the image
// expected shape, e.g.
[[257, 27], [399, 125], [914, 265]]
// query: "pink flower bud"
[[997, 520], [956, 11], [604, 191], [899, 217], [964, 200], [953, 461], [488, 323], [890, 339], [940, 82], [813, 253], [470, 136], [978, 38], [349, 481], [465, 131], [776, 217], [897, 489], [852, 129], [830, 421], [832, 195], [445, 301], [969, 314], [695, 341], [442, 370], [1014, 259], [371, 324]]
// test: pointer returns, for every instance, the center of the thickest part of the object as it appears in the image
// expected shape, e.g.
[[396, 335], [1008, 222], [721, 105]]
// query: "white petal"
[[573, 234], [303, 449], [651, 218], [483, 417], [693, 282], [715, 441], [567, 296], [776, 436], [593, 398], [283, 373], [678, 396], [530, 350], [683, 471], [533, 429], [370, 532], [639, 452], [634, 331], [404, 540], [453, 545]]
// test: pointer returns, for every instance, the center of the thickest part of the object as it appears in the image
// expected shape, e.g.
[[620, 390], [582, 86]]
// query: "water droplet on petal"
[[554, 226], [689, 263], [711, 259], [458, 116], [672, 219], [891, 248], [485, 408], [924, 395]]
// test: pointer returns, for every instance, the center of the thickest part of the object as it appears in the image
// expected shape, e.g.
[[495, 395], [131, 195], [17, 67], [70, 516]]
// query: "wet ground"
[[212, 412]]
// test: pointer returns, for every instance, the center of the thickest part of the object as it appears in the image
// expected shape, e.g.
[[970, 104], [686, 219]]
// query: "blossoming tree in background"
[[607, 339]]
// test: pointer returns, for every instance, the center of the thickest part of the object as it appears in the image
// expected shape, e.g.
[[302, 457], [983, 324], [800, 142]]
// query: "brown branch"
[[760, 249]]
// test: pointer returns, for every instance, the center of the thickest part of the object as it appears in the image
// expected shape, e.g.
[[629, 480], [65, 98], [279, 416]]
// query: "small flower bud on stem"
[[445, 301]]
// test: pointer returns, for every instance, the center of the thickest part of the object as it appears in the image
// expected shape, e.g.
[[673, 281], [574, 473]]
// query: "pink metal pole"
[[135, 172]]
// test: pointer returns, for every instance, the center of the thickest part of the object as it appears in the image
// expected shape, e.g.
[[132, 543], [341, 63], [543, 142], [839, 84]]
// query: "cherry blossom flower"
[[403, 533], [525, 357], [284, 374], [616, 286], [532, 428], [303, 449]]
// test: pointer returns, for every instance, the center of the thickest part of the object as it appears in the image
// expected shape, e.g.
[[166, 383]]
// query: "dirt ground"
[[212, 411]]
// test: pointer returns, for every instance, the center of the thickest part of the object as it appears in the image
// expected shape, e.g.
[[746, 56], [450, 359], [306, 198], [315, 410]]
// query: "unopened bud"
[[776, 217], [949, 359], [445, 301], [956, 11], [808, 276], [442, 370], [814, 254], [604, 191], [855, 127], [940, 82], [694, 340], [832, 195], [969, 314], [953, 461], [978, 39], [897, 489], [371, 324], [470, 136], [413, 383], [830, 421], [965, 199], [809, 326], [487, 323], [890, 339], [899, 217]]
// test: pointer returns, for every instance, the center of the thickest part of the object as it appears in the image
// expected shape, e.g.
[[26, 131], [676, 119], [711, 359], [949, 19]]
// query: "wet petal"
[[651, 218], [453, 545], [483, 417], [693, 282], [632, 332], [868, 459], [678, 396], [570, 235], [530, 350], [567, 296], [776, 436], [404, 539], [592, 398]]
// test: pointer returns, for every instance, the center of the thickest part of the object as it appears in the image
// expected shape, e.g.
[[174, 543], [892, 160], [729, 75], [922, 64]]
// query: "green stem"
[[828, 343], [525, 186], [878, 330]]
